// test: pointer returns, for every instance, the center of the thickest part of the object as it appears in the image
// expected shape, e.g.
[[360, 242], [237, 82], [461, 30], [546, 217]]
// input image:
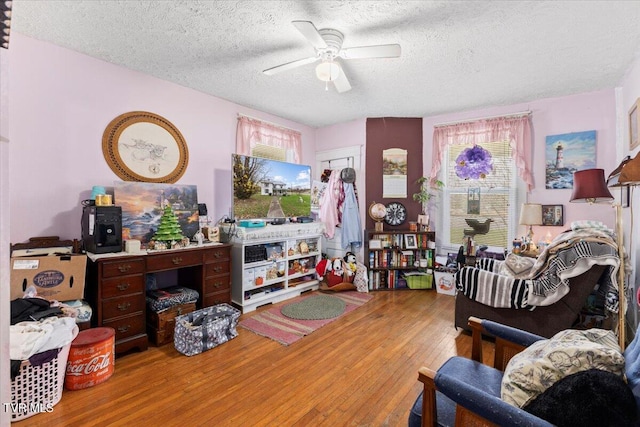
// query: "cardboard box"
[[55, 277]]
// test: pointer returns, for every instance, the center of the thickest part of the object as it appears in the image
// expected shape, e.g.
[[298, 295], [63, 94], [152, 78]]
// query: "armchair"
[[465, 392]]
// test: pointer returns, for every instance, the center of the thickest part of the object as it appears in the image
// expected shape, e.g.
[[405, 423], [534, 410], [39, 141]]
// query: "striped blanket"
[[569, 255]]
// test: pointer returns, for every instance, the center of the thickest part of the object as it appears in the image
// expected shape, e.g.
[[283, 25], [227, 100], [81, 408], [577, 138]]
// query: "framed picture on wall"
[[565, 153], [552, 214], [634, 125], [145, 147]]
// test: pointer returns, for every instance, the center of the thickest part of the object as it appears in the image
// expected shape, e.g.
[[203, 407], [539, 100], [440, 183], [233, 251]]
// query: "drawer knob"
[[124, 268], [124, 306], [123, 286], [218, 254], [177, 260], [124, 328], [216, 285], [217, 269]]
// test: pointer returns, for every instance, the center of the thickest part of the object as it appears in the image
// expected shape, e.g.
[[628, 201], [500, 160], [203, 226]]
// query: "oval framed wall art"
[[145, 147]]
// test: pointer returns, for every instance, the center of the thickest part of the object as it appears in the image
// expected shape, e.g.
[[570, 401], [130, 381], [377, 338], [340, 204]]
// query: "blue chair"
[[465, 392]]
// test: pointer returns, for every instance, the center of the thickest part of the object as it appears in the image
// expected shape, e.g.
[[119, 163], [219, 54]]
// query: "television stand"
[[274, 263]]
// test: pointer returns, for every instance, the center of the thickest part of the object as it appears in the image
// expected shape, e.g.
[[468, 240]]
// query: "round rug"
[[316, 307]]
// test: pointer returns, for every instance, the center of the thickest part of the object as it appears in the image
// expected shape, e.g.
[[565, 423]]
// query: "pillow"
[[591, 398], [535, 369], [517, 266]]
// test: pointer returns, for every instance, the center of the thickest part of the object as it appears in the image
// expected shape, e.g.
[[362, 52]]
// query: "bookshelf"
[[400, 259]]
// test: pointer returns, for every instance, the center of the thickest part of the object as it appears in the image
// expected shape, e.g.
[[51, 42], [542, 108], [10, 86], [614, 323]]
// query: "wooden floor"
[[360, 370]]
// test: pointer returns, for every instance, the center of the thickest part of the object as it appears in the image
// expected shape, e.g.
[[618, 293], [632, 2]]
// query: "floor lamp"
[[590, 187], [627, 174]]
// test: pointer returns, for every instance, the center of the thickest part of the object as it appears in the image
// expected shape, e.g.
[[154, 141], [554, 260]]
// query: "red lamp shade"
[[589, 187]]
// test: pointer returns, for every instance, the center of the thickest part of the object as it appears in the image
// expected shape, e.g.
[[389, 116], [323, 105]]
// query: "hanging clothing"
[[325, 175], [329, 204], [351, 225]]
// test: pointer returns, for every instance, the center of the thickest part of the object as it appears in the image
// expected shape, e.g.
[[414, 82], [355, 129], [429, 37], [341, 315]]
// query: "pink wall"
[[60, 103], [589, 111], [342, 135]]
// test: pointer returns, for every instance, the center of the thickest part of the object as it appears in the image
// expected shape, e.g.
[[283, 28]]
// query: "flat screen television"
[[266, 189]]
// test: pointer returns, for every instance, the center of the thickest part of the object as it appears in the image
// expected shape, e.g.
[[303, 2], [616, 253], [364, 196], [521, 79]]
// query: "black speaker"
[[202, 209], [102, 229]]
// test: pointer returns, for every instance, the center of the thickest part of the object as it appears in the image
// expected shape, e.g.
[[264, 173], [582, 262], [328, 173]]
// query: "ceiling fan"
[[328, 45]]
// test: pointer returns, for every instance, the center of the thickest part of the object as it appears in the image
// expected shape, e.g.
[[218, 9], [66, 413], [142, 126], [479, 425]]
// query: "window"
[[262, 139], [269, 152], [478, 200]]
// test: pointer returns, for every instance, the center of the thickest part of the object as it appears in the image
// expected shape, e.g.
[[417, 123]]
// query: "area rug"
[[273, 324], [316, 307]]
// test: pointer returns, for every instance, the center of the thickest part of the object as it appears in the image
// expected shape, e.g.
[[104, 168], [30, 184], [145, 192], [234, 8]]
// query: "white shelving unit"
[[274, 263]]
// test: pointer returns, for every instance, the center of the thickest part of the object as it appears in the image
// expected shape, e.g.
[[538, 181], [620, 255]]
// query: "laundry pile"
[[39, 329]]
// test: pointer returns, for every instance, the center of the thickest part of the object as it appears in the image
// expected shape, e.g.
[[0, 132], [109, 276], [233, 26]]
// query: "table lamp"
[[531, 214]]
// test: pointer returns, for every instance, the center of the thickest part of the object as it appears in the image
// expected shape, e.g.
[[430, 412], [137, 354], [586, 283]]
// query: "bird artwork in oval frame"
[[145, 147]]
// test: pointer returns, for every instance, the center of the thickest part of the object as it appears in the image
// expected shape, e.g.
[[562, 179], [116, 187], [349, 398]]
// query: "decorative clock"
[[396, 214]]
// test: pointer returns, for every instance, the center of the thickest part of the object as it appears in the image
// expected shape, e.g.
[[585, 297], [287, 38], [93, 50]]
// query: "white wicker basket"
[[37, 389]]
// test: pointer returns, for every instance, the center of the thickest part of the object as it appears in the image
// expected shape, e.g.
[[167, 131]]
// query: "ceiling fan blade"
[[342, 83], [310, 32], [377, 51], [290, 65]]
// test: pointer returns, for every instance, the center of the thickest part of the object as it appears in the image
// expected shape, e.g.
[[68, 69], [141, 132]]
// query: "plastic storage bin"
[[419, 281]]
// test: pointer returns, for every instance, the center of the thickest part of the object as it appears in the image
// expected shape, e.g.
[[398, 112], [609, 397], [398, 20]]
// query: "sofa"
[[542, 295], [544, 321]]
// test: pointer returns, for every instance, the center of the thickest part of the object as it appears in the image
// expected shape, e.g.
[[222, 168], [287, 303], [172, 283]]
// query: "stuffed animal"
[[350, 263], [333, 274]]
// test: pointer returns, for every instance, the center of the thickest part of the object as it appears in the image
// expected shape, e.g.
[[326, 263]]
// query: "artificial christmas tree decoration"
[[169, 229]]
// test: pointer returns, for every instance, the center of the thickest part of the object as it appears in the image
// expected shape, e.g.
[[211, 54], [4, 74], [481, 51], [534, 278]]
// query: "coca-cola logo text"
[[96, 364]]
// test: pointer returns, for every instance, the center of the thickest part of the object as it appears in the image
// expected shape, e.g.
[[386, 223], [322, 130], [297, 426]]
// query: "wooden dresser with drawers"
[[115, 286]]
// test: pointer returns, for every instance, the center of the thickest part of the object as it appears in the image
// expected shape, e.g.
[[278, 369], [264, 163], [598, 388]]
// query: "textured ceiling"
[[456, 55]]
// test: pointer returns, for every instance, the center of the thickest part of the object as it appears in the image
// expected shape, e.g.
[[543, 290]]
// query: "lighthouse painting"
[[567, 153]]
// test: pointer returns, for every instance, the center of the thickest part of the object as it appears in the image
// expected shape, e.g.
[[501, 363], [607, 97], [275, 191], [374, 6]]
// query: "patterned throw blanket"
[[520, 282]]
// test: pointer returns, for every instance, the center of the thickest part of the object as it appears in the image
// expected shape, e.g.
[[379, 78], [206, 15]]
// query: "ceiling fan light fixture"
[[328, 71]]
